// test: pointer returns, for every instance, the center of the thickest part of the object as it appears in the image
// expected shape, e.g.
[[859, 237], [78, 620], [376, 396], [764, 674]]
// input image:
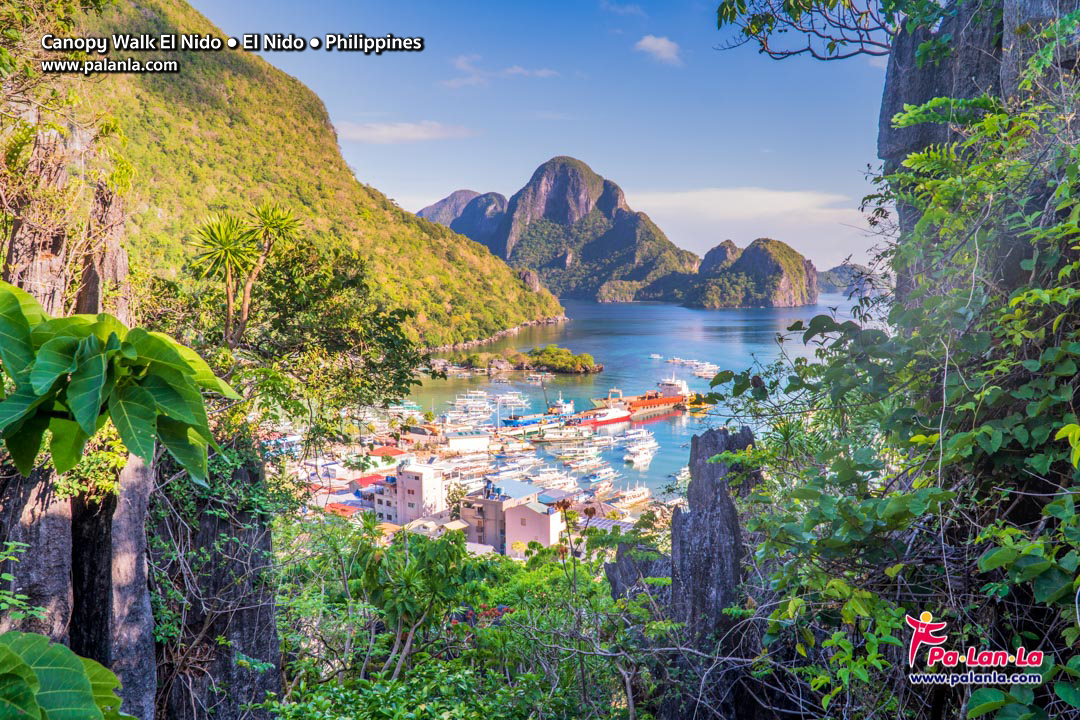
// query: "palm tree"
[[225, 249], [268, 223]]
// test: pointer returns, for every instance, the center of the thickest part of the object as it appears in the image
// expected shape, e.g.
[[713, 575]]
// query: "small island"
[[550, 358]]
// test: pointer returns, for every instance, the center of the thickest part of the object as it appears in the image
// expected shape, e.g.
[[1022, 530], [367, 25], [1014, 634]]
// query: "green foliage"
[[767, 273], [922, 449], [207, 139], [42, 680], [70, 375], [553, 358]]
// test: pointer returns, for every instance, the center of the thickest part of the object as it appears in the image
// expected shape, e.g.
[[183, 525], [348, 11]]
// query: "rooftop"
[[386, 451], [514, 489]]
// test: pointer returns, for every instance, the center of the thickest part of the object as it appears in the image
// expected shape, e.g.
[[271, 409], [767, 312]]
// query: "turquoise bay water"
[[621, 336]]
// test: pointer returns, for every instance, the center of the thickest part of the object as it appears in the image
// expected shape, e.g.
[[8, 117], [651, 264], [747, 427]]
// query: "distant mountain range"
[[574, 229]]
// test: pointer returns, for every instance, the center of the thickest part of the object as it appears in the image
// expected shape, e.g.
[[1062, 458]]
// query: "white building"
[[421, 491], [467, 442], [532, 522]]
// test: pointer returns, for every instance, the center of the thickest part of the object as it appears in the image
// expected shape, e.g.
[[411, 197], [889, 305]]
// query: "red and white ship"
[[604, 416]]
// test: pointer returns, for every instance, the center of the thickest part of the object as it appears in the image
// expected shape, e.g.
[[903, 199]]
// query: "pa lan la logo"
[[925, 632]]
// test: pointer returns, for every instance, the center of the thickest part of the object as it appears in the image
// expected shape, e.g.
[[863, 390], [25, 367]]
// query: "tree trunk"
[[104, 286]]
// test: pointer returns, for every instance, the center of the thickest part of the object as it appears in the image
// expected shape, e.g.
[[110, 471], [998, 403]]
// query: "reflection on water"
[[621, 336]]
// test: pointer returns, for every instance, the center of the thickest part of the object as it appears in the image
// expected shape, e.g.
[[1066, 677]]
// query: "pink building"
[[532, 522], [421, 491]]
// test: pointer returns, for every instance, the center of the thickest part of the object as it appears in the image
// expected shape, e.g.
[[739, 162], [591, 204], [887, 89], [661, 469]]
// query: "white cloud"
[[826, 227], [473, 75], [622, 9], [401, 132], [662, 49]]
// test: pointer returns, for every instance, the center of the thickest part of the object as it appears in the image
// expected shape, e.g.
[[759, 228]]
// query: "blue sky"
[[711, 144]]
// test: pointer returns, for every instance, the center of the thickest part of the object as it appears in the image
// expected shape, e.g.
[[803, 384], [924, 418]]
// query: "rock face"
[[531, 280], [481, 218], [850, 279], [705, 567], [446, 210], [989, 40], [574, 228], [719, 258], [768, 273]]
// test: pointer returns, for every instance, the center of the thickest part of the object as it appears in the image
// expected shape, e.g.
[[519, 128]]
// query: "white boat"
[[600, 475], [632, 496], [656, 356], [602, 488]]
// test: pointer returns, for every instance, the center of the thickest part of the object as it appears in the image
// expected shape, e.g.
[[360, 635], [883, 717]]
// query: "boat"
[[600, 475], [632, 496], [656, 356], [561, 407], [671, 392], [602, 488], [564, 435], [601, 416], [639, 455]]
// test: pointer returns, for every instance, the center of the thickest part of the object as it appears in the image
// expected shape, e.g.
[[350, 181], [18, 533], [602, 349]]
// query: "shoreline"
[[508, 332]]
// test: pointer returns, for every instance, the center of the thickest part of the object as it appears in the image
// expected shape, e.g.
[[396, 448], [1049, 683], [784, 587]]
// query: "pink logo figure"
[[923, 633]]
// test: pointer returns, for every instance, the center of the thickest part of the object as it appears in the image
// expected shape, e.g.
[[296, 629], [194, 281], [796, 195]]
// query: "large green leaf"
[[17, 700], [169, 400], [66, 446], [160, 350], [134, 414], [31, 308], [65, 692], [184, 444], [104, 685], [13, 664], [204, 376], [54, 358], [185, 386], [986, 700], [16, 350], [107, 325], [77, 326], [18, 406], [84, 391], [24, 444]]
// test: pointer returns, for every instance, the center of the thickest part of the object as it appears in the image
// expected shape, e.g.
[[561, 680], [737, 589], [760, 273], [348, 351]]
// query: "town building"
[[485, 510], [532, 522]]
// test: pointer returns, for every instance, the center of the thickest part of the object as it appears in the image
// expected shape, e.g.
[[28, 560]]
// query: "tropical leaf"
[[84, 391], [24, 444], [104, 684], [184, 444], [134, 414], [169, 400], [77, 326], [55, 358], [161, 350], [31, 309], [17, 700], [185, 386], [16, 349], [65, 692], [11, 663], [66, 446], [18, 406], [204, 376]]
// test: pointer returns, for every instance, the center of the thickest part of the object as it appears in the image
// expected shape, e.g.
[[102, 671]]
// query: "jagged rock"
[[530, 279], [719, 258], [627, 573], [568, 260], [448, 209], [481, 218], [706, 540]]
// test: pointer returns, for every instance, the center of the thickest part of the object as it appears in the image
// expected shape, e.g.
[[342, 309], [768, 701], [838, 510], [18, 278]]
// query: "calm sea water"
[[621, 336]]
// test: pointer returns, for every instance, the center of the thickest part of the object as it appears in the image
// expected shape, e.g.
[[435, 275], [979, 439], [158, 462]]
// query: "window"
[[411, 491], [412, 505], [523, 523]]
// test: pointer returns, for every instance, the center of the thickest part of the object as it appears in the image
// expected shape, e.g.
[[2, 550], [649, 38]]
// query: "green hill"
[[229, 130]]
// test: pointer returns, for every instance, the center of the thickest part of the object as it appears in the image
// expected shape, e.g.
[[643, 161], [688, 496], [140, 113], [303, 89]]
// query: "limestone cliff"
[[768, 273], [575, 229]]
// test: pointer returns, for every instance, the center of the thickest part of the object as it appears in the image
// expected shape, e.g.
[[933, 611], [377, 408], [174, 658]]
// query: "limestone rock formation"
[[719, 258]]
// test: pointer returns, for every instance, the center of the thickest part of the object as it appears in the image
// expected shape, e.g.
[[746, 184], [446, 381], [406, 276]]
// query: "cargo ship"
[[669, 393]]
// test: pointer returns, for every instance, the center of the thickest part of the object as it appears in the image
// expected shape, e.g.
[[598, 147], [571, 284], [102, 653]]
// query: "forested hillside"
[[230, 130]]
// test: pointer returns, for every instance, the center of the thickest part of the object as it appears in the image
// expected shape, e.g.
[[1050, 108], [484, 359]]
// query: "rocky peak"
[[562, 190], [481, 217], [797, 276], [448, 209], [720, 257]]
